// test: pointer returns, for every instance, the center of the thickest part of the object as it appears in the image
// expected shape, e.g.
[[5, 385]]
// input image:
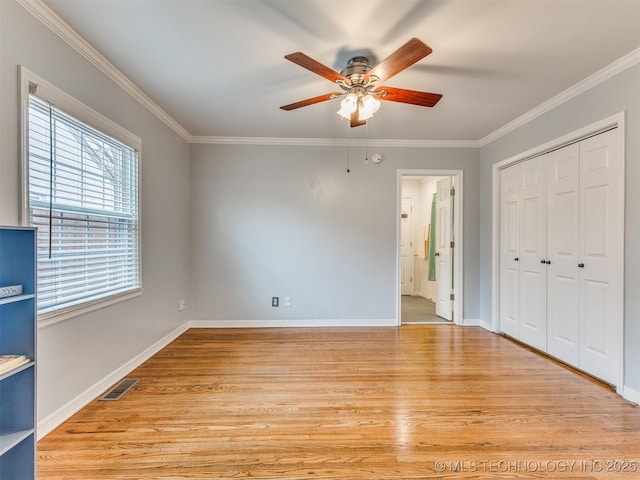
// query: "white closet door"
[[509, 251], [533, 253], [601, 210], [563, 245]]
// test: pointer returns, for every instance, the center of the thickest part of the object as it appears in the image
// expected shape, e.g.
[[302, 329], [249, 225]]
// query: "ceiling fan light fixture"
[[348, 105], [359, 82]]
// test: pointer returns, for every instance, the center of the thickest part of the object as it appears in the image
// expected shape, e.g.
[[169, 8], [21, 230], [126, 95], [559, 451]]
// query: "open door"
[[444, 257], [434, 223]]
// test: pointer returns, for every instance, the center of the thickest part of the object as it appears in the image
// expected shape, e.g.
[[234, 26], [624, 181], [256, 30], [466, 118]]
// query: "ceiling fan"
[[359, 82]]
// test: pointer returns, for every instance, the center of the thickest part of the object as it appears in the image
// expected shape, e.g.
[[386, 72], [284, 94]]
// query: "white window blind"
[[83, 197]]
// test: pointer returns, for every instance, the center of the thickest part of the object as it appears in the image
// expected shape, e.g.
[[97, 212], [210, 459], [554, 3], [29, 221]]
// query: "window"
[[82, 194]]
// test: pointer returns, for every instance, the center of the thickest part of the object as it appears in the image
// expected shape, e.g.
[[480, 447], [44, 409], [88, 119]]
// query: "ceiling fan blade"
[[311, 101], [402, 58], [316, 67], [424, 99], [355, 120]]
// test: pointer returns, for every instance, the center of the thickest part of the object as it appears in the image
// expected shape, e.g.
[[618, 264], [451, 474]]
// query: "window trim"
[[98, 121]]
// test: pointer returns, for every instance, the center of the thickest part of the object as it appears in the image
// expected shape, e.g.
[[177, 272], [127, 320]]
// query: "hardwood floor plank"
[[349, 403]]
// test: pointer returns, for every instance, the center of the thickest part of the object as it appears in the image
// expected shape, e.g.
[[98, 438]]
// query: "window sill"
[[53, 318]]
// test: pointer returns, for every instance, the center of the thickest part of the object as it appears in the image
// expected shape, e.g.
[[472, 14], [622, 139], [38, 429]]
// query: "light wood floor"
[[419, 401]]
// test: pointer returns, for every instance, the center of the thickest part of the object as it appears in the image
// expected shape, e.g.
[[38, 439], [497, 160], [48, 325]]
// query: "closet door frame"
[[614, 121]]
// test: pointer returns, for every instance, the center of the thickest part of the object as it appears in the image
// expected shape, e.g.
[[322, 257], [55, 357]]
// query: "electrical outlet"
[[182, 304], [275, 301], [287, 301]]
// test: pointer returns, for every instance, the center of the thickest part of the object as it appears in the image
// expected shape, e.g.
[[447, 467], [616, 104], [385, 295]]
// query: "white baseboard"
[[322, 322], [47, 424], [470, 322], [486, 325], [631, 395]]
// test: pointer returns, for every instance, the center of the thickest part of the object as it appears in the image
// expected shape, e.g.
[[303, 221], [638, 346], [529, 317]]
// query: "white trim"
[[58, 26], [471, 322], [46, 425], [335, 142], [45, 320], [74, 107], [614, 121], [295, 323], [458, 222], [631, 395], [486, 325], [610, 71]]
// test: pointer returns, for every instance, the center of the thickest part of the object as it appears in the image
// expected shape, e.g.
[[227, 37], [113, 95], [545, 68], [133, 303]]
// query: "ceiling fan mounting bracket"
[[355, 72], [356, 69]]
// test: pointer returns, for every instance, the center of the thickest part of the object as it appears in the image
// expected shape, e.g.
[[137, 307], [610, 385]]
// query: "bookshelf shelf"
[[11, 439], [17, 298], [17, 370], [18, 337]]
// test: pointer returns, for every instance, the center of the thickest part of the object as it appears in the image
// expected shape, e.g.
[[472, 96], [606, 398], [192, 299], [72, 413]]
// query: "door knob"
[[548, 262], [516, 259], [581, 265], [437, 254], [543, 261]]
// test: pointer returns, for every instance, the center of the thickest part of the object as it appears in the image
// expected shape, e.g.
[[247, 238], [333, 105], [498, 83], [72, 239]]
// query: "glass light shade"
[[370, 103], [348, 105], [369, 106], [364, 114]]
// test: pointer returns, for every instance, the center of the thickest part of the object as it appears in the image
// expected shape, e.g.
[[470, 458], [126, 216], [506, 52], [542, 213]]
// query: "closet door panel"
[[600, 243], [533, 252], [563, 198], [509, 251]]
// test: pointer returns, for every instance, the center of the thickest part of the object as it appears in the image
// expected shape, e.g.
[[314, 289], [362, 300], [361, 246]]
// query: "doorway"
[[429, 287]]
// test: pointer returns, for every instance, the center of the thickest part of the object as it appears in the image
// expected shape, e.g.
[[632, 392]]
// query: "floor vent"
[[120, 389]]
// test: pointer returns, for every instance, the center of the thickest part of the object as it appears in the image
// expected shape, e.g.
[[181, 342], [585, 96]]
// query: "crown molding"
[[43, 13], [50, 19], [334, 142], [610, 71]]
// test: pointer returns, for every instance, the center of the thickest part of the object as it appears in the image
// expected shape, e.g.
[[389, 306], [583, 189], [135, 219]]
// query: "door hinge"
[[452, 192], [453, 244], [452, 296]]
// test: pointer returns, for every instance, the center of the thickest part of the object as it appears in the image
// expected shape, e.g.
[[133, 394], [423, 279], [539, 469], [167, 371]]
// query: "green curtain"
[[432, 241]]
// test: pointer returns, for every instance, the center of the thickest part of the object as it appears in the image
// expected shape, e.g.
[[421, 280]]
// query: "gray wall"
[[621, 93], [289, 221], [76, 354]]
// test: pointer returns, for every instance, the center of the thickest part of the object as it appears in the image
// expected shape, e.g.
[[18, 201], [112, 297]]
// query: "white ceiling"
[[217, 67]]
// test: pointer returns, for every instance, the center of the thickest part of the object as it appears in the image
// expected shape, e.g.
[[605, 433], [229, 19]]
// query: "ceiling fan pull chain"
[[348, 147], [366, 144]]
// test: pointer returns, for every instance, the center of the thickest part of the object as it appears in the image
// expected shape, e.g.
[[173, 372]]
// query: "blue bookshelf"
[[18, 337]]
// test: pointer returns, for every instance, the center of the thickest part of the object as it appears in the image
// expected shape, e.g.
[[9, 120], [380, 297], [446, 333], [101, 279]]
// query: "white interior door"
[[443, 249], [563, 325], [601, 210], [533, 253], [509, 251], [406, 250]]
